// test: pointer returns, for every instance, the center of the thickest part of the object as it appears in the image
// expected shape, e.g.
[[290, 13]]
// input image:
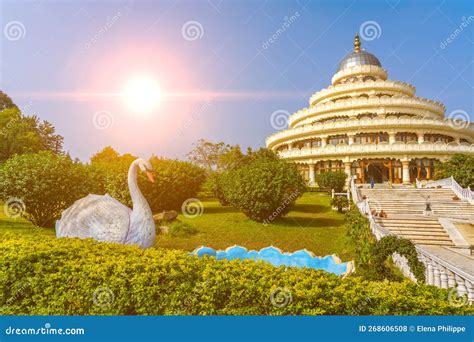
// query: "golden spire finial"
[[357, 43]]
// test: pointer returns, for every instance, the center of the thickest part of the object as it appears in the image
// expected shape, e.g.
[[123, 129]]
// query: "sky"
[[222, 67]]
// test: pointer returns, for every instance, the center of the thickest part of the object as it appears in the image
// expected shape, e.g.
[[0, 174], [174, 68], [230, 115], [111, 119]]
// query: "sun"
[[141, 94]]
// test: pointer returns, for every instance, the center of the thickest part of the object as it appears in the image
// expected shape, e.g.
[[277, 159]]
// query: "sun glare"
[[141, 94]]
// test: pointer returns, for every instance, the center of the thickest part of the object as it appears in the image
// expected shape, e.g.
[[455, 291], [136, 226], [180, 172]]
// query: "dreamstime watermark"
[[279, 119], [194, 117], [287, 200], [287, 21], [16, 295], [103, 297], [110, 22], [281, 297], [8, 126], [103, 119], [14, 207], [14, 30], [459, 119], [370, 30], [465, 21], [457, 300], [192, 30], [369, 300], [192, 208], [46, 330]]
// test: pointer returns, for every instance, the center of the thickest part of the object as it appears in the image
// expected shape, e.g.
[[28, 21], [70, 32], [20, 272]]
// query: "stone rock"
[[164, 230], [166, 216]]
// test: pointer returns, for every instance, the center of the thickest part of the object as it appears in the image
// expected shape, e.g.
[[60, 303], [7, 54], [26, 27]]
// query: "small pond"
[[273, 255]]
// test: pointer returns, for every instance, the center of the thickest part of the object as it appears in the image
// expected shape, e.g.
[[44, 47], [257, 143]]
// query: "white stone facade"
[[371, 128]]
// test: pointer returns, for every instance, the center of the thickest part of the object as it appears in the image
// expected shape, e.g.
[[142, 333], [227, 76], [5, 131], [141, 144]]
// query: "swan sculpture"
[[103, 218]]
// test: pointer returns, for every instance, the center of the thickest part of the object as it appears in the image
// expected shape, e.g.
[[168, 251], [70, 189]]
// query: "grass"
[[311, 224]]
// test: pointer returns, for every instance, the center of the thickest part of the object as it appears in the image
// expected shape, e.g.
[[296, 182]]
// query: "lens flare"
[[141, 94]]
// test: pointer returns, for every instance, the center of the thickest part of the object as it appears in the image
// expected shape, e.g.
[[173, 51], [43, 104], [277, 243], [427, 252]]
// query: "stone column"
[[457, 140], [324, 141], [436, 276], [312, 179], [443, 278], [451, 279], [470, 291], [347, 168], [421, 137], [351, 139], [391, 137], [462, 290], [429, 273], [405, 171], [290, 146]]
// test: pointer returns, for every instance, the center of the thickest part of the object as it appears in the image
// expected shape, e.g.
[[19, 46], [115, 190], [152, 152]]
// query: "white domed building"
[[371, 128]]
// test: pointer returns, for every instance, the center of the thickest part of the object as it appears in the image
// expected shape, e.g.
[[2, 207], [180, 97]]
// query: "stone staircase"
[[404, 209]]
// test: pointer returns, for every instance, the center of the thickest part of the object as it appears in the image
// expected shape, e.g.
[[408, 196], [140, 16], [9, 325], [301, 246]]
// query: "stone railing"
[[368, 103], [463, 193], [371, 70], [356, 150], [359, 124], [342, 88], [438, 271]]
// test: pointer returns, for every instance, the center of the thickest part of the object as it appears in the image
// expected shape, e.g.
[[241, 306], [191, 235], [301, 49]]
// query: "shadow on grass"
[[310, 208], [15, 225], [220, 210], [308, 222]]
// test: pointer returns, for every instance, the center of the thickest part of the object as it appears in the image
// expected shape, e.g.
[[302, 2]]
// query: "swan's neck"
[[140, 204], [142, 226]]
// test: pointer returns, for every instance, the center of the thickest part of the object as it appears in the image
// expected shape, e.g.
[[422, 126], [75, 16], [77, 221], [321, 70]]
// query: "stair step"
[[418, 233]]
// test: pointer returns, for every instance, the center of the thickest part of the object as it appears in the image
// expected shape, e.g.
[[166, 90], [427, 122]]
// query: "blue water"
[[276, 257]]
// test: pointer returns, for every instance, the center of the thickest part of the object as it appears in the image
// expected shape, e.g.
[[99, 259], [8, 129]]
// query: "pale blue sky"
[[65, 48]]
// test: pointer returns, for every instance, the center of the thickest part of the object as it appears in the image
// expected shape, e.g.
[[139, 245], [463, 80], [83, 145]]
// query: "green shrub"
[[361, 237], [460, 166], [340, 202], [215, 185], [45, 183], [175, 181], [50, 276], [388, 245], [332, 180], [265, 188], [181, 229]]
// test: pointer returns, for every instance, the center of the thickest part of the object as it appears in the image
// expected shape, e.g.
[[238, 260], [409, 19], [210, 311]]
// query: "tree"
[[460, 166], [6, 102], [206, 154], [24, 134], [332, 180]]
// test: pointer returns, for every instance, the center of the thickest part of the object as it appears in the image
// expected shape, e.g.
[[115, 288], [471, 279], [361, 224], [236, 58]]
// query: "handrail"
[[466, 194]]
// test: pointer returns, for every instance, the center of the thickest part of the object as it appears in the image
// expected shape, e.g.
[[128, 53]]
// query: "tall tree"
[[206, 154], [22, 134]]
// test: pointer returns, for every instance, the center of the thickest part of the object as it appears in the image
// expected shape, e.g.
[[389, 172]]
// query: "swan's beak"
[[150, 176]]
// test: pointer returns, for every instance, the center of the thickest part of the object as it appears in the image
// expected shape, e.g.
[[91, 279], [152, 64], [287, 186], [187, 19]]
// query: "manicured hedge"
[[59, 277]]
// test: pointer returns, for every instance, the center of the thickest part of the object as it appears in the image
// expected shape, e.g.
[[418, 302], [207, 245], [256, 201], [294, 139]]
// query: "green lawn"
[[312, 224]]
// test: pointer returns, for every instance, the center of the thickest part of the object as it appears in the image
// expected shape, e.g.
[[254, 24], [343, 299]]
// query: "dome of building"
[[358, 57]]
